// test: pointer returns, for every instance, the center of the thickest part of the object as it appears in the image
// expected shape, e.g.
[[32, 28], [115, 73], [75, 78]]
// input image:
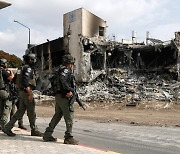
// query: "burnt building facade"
[[49, 54], [84, 37]]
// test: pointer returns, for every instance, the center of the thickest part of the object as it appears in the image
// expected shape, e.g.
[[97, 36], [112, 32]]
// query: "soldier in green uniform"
[[26, 83], [6, 75], [64, 91]]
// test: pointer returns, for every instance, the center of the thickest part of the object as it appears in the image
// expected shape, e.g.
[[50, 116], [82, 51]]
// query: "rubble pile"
[[40, 98], [122, 85], [130, 87]]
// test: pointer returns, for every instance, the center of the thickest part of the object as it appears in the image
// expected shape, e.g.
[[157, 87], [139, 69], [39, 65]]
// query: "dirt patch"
[[164, 114]]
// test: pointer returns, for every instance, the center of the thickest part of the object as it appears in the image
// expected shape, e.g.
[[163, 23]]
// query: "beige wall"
[[74, 21], [91, 23], [80, 22]]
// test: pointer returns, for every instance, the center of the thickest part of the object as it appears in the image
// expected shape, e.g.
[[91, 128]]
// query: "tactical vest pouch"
[[4, 95], [2, 85]]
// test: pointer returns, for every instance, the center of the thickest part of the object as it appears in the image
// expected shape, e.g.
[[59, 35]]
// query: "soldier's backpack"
[[2, 85], [55, 81]]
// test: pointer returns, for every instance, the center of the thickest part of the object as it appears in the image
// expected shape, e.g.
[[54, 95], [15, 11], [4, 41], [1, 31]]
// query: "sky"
[[45, 20]]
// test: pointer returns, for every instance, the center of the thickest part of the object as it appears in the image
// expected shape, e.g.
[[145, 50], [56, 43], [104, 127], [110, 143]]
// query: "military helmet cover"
[[68, 59], [30, 57]]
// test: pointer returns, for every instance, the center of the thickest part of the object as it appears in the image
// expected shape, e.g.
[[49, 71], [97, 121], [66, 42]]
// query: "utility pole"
[[27, 28]]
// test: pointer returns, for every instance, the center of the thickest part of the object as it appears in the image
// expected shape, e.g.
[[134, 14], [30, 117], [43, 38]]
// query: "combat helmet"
[[29, 58], [3, 62], [68, 59]]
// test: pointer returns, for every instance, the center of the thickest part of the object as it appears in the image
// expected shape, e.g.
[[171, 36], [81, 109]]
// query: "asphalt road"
[[125, 139]]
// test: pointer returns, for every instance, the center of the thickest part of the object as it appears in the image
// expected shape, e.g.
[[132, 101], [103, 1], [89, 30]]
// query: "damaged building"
[[155, 56], [114, 70], [85, 38]]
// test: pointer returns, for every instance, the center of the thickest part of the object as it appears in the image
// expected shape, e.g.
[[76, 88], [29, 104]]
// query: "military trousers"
[[23, 106], [5, 107], [61, 110], [13, 110]]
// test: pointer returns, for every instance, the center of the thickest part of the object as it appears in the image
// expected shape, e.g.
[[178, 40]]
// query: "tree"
[[13, 60]]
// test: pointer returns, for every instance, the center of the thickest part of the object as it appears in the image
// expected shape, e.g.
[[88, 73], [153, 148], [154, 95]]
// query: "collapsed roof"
[[155, 56]]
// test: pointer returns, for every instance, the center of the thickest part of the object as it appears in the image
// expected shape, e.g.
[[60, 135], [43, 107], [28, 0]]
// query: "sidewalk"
[[23, 143]]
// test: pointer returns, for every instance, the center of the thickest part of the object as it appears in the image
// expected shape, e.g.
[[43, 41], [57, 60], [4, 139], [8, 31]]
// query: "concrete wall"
[[76, 24], [91, 24], [72, 22]]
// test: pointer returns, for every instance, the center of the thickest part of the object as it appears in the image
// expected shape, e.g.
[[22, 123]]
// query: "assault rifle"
[[75, 97], [13, 92]]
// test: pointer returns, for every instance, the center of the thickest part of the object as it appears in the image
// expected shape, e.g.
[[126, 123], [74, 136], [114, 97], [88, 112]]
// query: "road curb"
[[24, 143]]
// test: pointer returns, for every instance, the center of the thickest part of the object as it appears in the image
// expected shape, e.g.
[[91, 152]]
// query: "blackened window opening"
[[101, 31], [97, 61]]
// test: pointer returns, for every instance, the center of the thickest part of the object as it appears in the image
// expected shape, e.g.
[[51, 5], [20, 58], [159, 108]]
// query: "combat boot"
[[71, 140], [8, 132], [22, 127], [1, 125], [49, 139], [36, 133]]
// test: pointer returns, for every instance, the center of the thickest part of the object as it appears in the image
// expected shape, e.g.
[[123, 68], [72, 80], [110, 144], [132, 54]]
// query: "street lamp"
[[27, 28]]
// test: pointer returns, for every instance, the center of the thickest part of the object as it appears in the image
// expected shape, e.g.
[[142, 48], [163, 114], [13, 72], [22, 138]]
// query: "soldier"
[[65, 89], [6, 75], [25, 82]]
